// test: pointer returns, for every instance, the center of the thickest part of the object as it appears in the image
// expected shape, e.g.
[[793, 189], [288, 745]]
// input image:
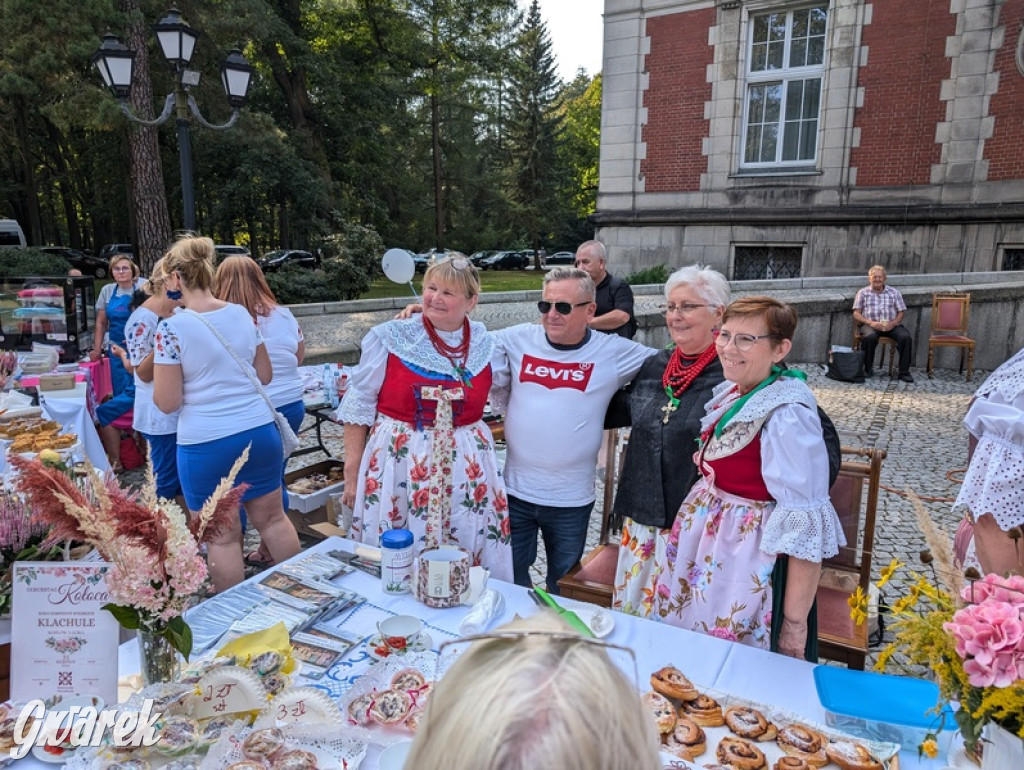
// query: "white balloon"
[[398, 265]]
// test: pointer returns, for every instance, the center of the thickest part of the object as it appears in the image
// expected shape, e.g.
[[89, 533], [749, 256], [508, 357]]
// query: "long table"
[[713, 663]]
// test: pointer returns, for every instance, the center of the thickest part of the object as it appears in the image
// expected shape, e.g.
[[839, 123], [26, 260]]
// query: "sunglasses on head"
[[562, 308]]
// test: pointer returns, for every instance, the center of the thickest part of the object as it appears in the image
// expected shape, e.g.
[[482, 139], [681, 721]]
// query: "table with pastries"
[[715, 665]]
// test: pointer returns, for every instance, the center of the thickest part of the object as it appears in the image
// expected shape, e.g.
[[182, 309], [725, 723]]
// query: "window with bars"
[[1013, 259], [785, 69], [754, 263]]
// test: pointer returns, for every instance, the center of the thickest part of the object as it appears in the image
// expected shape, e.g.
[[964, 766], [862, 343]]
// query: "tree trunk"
[[149, 196], [33, 223], [435, 138]]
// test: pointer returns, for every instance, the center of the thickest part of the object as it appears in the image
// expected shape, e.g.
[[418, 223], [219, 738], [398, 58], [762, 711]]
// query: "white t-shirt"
[[556, 402], [140, 332], [218, 400], [282, 335]]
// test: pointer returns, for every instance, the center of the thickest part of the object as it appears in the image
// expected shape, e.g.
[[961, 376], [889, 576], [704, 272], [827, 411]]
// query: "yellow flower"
[[888, 572], [929, 747], [858, 602]]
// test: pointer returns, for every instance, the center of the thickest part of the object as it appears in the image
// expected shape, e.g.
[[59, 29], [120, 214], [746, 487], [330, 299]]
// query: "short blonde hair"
[[535, 702], [191, 257], [457, 272]]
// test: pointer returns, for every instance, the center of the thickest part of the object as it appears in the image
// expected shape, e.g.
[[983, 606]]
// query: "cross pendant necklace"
[[668, 409]]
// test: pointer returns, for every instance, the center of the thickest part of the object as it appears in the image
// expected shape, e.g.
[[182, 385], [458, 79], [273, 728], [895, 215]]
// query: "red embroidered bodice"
[[400, 398], [740, 473]]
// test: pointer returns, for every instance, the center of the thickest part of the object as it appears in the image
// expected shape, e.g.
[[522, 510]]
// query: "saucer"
[[50, 758], [422, 643]]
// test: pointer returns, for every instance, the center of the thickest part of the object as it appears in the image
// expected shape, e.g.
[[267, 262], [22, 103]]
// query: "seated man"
[[879, 310]]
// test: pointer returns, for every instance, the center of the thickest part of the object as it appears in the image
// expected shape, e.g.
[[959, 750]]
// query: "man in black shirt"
[[614, 314]]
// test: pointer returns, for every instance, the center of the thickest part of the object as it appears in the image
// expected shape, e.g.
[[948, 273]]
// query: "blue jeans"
[[565, 538]]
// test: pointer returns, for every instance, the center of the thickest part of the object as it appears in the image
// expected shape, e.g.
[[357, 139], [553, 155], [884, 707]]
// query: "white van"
[[11, 234]]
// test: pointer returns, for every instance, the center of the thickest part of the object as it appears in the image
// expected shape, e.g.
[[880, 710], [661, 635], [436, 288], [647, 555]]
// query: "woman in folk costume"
[[666, 404], [418, 455], [744, 554]]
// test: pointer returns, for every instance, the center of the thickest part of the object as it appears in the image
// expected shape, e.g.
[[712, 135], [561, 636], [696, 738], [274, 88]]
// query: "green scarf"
[[777, 372]]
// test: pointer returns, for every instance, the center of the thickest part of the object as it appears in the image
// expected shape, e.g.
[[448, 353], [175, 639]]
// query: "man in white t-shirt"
[[554, 386]]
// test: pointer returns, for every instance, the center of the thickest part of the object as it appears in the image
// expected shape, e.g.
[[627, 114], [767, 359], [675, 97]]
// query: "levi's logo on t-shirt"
[[553, 374]]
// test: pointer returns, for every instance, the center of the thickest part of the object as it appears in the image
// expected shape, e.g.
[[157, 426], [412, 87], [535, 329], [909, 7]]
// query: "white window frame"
[[782, 76]]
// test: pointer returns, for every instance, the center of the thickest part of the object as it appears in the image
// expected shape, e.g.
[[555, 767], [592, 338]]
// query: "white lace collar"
[[784, 391], [408, 340]]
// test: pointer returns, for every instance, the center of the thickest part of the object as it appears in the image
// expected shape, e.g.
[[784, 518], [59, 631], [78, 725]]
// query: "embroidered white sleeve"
[[995, 477], [359, 405], [794, 463]]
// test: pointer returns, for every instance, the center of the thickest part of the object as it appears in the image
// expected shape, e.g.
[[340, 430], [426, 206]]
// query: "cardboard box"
[[308, 504], [49, 382]]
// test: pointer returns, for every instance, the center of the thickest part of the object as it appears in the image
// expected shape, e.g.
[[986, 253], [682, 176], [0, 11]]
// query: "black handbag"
[[846, 366]]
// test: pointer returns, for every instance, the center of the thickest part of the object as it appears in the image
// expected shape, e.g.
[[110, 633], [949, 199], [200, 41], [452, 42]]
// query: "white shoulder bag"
[[289, 441]]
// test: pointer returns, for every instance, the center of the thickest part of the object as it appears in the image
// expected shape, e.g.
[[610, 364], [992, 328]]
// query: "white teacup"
[[400, 631]]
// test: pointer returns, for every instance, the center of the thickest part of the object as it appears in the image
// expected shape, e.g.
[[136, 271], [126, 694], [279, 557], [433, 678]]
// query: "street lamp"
[[177, 42]]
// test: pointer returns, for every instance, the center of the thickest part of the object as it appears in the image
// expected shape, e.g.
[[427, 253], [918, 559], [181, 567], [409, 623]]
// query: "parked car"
[[117, 248], [11, 234], [479, 256], [230, 250], [505, 260], [426, 258], [87, 263], [561, 258], [275, 260]]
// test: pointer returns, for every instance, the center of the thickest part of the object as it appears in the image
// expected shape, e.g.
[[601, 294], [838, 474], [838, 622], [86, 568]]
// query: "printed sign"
[[62, 640], [554, 374]]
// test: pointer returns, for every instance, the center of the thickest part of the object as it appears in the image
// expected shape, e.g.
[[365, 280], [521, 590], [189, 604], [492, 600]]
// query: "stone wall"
[[333, 331]]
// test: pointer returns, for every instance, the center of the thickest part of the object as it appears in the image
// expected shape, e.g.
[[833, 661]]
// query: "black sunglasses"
[[563, 308]]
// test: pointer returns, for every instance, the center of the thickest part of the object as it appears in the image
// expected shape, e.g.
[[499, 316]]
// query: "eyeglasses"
[[684, 309], [562, 308], [117, 268], [743, 342], [623, 657], [460, 263]]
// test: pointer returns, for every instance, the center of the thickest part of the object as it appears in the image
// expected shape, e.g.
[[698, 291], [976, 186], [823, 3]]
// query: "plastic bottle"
[[330, 389], [396, 561]]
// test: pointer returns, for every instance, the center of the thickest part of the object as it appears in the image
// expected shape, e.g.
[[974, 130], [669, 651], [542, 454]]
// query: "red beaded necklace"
[[456, 354], [677, 377]]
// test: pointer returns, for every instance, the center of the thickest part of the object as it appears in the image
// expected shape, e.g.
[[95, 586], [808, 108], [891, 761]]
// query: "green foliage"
[[352, 258], [649, 275], [28, 262]]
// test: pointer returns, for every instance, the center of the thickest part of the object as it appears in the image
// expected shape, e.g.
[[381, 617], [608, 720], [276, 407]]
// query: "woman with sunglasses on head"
[[240, 280], [744, 555], [394, 453], [666, 404], [535, 694]]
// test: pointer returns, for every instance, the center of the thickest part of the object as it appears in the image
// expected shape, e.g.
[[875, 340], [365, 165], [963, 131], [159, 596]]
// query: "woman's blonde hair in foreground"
[[534, 703]]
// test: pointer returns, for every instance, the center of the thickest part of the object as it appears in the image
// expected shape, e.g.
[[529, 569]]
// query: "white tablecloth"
[[69, 408], [712, 663]]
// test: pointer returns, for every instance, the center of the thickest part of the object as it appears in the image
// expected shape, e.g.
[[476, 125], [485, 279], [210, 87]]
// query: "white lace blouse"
[[994, 482]]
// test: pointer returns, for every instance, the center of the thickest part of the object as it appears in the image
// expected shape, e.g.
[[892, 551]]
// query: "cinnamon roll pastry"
[[792, 763], [390, 707], [740, 754], [704, 710], [661, 710], [687, 739], [672, 683], [851, 755], [750, 723], [802, 742]]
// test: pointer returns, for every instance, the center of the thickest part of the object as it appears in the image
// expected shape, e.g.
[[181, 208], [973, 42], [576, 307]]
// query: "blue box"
[[881, 707]]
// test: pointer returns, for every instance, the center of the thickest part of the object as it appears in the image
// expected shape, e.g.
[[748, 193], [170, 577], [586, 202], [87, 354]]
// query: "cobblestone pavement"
[[919, 425]]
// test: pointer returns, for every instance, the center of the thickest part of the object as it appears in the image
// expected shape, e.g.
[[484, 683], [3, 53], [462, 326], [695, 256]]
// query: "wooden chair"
[[593, 579], [885, 344], [950, 314], [855, 497]]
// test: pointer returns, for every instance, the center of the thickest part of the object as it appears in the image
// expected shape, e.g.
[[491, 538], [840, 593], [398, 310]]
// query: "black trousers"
[[904, 346]]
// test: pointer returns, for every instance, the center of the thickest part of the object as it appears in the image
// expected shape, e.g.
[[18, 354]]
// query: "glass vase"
[[1003, 749], [158, 660]]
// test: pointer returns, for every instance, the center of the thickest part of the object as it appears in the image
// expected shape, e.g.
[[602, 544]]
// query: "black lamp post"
[[177, 42]]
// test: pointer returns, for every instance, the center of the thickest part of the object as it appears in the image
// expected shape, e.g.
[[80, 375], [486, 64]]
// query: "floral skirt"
[[394, 492], [715, 579], [641, 559]]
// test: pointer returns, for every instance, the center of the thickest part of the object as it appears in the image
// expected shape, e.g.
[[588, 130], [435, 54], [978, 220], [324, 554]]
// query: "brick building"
[[770, 138]]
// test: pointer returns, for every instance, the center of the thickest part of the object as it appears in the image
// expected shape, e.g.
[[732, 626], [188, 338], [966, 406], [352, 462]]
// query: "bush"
[[649, 275], [350, 260], [18, 263]]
